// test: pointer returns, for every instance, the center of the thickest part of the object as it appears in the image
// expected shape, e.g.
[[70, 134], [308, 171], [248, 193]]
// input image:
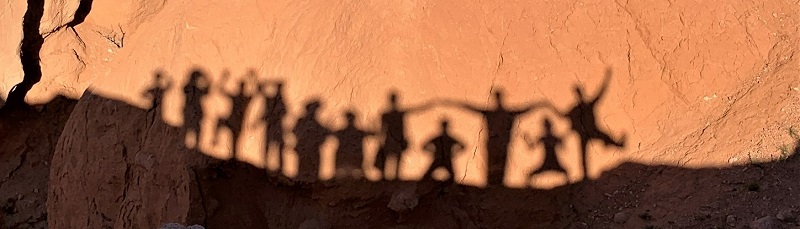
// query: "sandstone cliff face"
[[135, 175], [693, 85], [11, 16]]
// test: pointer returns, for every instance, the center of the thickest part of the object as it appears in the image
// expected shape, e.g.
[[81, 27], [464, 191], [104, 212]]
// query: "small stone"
[[731, 220], [404, 199], [787, 215], [213, 204], [460, 215], [20, 196], [173, 226], [145, 160], [180, 226], [621, 217], [767, 222], [310, 224], [733, 160]]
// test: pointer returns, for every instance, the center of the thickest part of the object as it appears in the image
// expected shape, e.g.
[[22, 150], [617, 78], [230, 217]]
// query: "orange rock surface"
[[675, 86]]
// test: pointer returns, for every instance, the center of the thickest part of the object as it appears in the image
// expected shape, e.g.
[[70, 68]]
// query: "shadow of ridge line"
[[246, 190], [91, 97], [228, 181]]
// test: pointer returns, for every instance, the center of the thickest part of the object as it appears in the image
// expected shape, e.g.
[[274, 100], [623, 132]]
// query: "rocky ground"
[[29, 136], [235, 194]]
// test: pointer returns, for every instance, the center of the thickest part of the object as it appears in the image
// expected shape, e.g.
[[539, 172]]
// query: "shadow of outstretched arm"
[[536, 105], [604, 86], [461, 105], [422, 107]]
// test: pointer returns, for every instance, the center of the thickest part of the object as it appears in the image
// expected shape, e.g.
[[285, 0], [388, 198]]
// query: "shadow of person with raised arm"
[[275, 112], [584, 123], [194, 90], [395, 141], [350, 155], [310, 135], [156, 95], [551, 143], [499, 121], [443, 147], [235, 121]]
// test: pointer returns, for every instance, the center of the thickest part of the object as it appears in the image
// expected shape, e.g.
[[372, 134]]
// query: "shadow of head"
[[312, 107], [351, 117], [498, 94], [197, 79]]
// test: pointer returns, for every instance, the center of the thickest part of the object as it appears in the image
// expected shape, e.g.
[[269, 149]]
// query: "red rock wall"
[[693, 84]]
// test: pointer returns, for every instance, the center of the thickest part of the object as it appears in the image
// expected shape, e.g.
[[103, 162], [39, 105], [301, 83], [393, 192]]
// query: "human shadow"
[[583, 121], [393, 131], [551, 143], [195, 89], [235, 121], [499, 121], [310, 135], [443, 147], [350, 153], [274, 115], [155, 93]]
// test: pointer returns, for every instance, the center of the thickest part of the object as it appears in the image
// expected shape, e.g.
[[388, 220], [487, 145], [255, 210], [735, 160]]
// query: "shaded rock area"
[[221, 194], [29, 136], [180, 226]]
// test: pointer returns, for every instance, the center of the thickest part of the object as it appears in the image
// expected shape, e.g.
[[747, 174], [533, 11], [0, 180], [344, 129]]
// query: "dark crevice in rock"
[[22, 159], [32, 42], [31, 47], [81, 13], [198, 185]]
